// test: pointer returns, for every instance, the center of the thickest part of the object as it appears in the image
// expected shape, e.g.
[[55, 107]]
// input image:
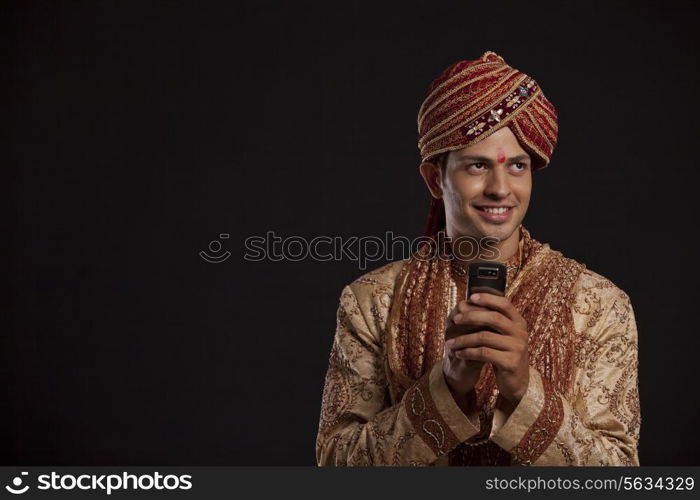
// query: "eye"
[[518, 167], [476, 167]]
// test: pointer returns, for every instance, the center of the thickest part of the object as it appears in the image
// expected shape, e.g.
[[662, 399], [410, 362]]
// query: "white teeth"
[[499, 210]]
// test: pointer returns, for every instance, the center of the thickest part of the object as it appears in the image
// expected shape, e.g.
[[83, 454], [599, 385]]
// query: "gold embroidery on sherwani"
[[541, 291], [542, 433], [427, 421], [385, 400]]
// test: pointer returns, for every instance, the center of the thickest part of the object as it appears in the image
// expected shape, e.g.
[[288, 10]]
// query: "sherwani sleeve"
[[359, 425], [599, 424]]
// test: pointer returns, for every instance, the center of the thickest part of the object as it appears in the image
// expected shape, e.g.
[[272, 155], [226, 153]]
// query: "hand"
[[460, 374], [506, 350]]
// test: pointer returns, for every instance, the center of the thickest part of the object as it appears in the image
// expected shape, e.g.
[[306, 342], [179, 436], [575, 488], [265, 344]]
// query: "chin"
[[498, 231], [472, 224]]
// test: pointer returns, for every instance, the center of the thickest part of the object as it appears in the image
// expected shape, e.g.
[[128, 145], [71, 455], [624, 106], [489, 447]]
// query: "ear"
[[433, 178]]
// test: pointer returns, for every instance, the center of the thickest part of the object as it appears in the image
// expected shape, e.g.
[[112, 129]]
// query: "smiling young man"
[[420, 374]]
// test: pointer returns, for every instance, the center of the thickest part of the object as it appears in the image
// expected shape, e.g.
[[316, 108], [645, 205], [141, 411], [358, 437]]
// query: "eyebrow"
[[485, 159]]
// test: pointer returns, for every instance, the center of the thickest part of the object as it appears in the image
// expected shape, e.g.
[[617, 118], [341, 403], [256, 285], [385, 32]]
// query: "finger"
[[501, 304], [500, 359], [453, 330], [482, 338], [462, 308], [488, 319]]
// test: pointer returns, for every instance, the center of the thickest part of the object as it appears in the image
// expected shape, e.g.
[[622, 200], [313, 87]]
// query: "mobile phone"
[[486, 277]]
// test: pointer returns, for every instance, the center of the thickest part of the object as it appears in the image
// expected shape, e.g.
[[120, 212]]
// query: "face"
[[486, 187]]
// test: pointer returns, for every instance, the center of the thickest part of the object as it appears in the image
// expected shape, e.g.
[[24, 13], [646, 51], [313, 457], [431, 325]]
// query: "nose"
[[497, 186]]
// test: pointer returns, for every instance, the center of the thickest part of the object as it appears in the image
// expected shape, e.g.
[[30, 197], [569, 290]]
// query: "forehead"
[[503, 139]]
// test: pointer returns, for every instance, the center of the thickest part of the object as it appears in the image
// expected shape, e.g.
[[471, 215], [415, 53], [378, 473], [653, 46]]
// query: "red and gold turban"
[[471, 100]]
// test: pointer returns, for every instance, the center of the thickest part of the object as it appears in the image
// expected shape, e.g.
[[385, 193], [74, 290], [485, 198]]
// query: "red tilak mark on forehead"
[[501, 156]]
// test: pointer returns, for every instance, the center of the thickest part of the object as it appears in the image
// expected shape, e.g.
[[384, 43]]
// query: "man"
[[420, 374]]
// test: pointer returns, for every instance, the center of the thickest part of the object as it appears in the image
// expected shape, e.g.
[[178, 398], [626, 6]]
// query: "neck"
[[467, 248]]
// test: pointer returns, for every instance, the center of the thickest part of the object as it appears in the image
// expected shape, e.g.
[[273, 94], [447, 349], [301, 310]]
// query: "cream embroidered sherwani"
[[386, 402]]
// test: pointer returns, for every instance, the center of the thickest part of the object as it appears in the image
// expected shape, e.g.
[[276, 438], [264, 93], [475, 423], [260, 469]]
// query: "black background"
[[136, 132]]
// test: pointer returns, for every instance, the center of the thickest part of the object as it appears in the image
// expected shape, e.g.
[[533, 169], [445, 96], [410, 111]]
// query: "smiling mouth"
[[494, 210]]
